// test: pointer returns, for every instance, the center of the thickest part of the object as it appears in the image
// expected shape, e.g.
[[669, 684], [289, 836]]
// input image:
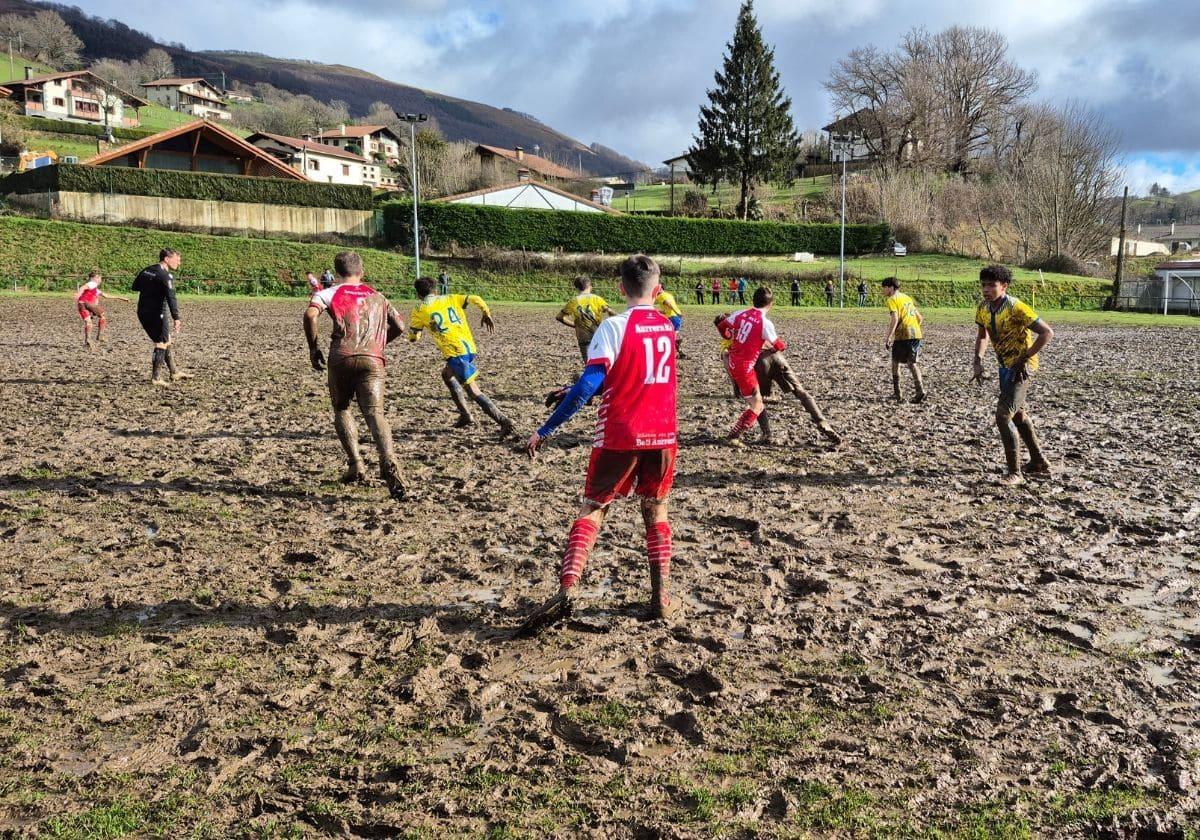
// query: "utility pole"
[[842, 146], [1114, 301], [414, 179]]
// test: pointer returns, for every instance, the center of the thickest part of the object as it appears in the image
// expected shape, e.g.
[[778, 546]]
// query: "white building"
[[318, 161], [79, 96], [189, 96], [526, 194], [373, 142]]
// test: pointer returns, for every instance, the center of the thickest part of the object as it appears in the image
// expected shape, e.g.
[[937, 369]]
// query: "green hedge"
[[199, 185], [87, 129], [472, 225]]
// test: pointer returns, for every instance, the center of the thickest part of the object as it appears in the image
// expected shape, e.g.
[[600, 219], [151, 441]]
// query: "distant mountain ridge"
[[459, 119]]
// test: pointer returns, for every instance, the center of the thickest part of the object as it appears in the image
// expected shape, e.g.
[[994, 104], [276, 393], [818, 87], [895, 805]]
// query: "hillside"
[[1160, 210], [459, 119]]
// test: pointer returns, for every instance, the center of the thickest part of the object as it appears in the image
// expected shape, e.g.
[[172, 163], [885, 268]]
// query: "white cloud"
[[1178, 173]]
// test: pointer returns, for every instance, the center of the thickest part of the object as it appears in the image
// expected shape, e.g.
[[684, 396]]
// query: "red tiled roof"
[[533, 162], [356, 131], [174, 82], [38, 81], [310, 145]]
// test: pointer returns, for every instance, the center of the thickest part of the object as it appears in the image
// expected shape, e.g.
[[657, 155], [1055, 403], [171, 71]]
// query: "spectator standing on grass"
[[631, 365], [795, 291], [327, 279], [443, 282], [158, 313], [862, 292], [700, 291], [1017, 334], [904, 336], [741, 290], [716, 290], [363, 324], [829, 293], [732, 289], [87, 304]]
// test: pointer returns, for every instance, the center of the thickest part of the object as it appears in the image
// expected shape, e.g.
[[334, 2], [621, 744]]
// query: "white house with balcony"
[[189, 96], [318, 161], [374, 142], [78, 96]]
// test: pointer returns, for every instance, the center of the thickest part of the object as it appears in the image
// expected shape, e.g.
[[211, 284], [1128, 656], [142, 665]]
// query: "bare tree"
[[51, 40], [121, 74], [156, 64]]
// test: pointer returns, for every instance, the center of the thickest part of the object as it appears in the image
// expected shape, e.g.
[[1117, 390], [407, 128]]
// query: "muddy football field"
[[203, 634]]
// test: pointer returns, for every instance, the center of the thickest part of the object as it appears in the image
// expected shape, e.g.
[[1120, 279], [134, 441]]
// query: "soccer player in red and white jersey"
[[631, 363], [314, 285], [87, 304], [751, 332], [363, 323]]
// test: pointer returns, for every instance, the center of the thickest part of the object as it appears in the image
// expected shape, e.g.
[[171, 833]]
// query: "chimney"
[[28, 72], [1172, 228], [1139, 230], [307, 138], [342, 129], [520, 152], [522, 174]]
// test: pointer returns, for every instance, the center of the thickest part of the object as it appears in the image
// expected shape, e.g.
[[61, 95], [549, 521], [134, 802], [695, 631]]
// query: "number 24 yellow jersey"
[[446, 319]]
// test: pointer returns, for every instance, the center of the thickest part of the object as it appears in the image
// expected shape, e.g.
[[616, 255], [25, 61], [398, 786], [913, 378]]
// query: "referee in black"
[[158, 312]]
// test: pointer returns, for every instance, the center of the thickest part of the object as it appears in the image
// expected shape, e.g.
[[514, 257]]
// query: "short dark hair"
[[639, 275], [581, 283], [995, 274], [167, 252], [347, 264], [424, 287], [95, 272], [890, 282], [763, 296]]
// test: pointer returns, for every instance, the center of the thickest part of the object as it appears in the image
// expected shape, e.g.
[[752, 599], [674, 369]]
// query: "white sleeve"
[[321, 299], [769, 334], [606, 343]]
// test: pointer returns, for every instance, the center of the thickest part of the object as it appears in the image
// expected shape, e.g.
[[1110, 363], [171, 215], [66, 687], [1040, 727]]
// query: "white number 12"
[[659, 372]]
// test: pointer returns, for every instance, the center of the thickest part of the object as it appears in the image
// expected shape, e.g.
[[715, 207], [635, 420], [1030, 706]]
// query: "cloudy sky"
[[631, 73]]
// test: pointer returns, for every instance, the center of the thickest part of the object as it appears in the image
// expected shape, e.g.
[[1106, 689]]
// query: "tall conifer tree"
[[746, 132]]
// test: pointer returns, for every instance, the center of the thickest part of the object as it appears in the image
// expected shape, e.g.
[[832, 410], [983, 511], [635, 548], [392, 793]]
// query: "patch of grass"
[[1096, 806], [611, 714], [778, 729], [990, 821], [820, 806], [116, 819]]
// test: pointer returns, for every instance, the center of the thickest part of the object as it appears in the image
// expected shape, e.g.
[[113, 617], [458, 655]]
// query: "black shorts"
[[157, 327], [905, 352]]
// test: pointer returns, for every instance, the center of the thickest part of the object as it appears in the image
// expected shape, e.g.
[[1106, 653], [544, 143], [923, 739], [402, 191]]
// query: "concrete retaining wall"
[[202, 216]]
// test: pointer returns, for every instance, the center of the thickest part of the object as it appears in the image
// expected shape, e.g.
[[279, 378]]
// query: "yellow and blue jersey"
[[586, 312], [908, 324], [1008, 328], [446, 319], [665, 303]]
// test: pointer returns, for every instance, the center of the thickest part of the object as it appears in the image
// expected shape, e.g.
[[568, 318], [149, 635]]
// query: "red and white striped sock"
[[579, 545], [658, 548], [744, 422]]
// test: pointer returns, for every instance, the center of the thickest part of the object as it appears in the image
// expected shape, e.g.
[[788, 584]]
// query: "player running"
[[446, 319], [665, 303], [584, 312], [87, 303], [363, 323], [1018, 334], [632, 365], [751, 332], [904, 337], [158, 313], [314, 285]]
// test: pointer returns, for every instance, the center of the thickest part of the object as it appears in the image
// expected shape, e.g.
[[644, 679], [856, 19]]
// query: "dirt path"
[[201, 633]]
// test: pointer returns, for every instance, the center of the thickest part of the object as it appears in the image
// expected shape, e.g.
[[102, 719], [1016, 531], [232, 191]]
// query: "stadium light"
[[414, 181]]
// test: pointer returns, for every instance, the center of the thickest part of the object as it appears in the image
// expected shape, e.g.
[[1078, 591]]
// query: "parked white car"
[[898, 250]]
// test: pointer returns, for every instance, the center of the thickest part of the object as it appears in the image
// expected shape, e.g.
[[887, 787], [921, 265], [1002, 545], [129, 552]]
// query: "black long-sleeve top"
[[156, 289]]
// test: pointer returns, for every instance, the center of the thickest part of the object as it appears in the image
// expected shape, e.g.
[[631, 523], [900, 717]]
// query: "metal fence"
[[1170, 294]]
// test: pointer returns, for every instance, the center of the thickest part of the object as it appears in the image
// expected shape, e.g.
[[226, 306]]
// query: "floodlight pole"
[[415, 181], [840, 145]]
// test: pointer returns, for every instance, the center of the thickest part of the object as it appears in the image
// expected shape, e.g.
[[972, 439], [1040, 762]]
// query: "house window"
[[314, 165], [59, 102], [87, 107], [346, 169]]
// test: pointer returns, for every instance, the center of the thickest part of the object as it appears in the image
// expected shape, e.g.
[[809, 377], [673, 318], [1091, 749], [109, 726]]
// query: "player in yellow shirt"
[[665, 303], [446, 319], [903, 337], [1018, 334], [584, 312]]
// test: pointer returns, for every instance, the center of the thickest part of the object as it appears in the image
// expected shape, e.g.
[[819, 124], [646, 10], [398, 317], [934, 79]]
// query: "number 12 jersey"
[[637, 405]]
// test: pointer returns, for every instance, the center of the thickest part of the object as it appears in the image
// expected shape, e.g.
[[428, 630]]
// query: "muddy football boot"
[[354, 474], [832, 436], [1012, 479], [735, 443], [553, 611], [395, 486], [669, 610], [161, 383], [181, 374], [506, 428], [1038, 468], [919, 398], [464, 421]]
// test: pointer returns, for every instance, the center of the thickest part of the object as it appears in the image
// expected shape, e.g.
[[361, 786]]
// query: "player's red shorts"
[[613, 473], [745, 379]]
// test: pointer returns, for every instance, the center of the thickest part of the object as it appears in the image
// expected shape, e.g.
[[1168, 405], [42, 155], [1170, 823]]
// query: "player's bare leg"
[[101, 324], [369, 393], [580, 542], [814, 411], [918, 383], [896, 382], [658, 558], [1012, 454], [460, 399], [1037, 464], [87, 332], [490, 409]]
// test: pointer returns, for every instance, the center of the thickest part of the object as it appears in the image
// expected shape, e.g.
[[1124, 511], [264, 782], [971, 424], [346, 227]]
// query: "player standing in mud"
[[632, 365], [584, 312], [363, 323], [1018, 334], [87, 304], [751, 332], [665, 303], [158, 313], [446, 319], [904, 337]]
